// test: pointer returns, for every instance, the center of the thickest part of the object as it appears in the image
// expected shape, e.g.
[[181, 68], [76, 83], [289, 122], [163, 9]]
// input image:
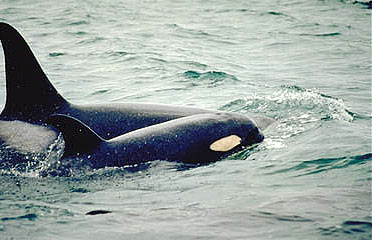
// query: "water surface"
[[307, 64]]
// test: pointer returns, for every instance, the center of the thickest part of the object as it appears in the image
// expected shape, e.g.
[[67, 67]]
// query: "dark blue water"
[[307, 64]]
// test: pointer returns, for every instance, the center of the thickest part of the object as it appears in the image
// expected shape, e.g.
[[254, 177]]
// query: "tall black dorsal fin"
[[79, 138], [29, 94]]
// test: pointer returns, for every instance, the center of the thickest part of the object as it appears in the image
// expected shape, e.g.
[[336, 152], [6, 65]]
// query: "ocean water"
[[307, 64]]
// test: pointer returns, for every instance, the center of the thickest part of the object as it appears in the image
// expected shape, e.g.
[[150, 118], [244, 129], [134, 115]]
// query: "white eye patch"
[[225, 144]]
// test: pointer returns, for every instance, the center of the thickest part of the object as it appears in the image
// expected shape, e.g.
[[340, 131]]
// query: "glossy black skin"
[[32, 98], [113, 120], [186, 140]]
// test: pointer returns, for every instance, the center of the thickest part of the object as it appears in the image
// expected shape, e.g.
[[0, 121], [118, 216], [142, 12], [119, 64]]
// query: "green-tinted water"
[[306, 64]]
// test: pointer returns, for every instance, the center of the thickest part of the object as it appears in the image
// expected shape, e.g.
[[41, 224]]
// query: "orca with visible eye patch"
[[202, 138], [31, 98]]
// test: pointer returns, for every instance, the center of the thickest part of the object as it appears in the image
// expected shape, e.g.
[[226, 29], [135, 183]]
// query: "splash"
[[297, 110], [292, 102], [30, 164]]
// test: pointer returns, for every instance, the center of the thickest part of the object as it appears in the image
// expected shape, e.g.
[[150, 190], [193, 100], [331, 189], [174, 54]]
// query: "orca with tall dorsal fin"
[[201, 138], [31, 98]]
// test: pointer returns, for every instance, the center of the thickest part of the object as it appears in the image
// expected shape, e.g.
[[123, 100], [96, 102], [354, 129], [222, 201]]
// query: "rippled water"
[[307, 64]]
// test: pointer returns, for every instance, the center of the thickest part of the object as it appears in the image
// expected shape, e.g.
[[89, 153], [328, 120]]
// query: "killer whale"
[[31, 98], [201, 138]]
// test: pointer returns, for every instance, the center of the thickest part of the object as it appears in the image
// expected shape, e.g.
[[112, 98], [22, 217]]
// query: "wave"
[[281, 14], [349, 227], [366, 4], [30, 217], [282, 218], [325, 164], [78, 22], [212, 78], [56, 54], [331, 34]]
